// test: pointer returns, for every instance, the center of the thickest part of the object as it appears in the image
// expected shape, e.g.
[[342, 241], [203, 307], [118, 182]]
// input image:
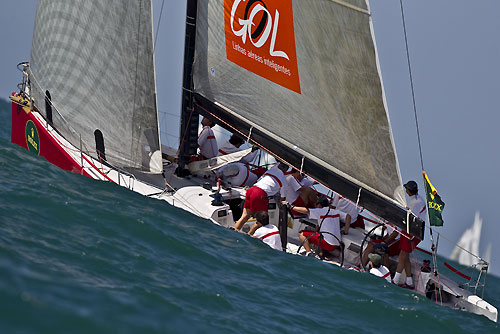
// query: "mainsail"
[[95, 60], [302, 78]]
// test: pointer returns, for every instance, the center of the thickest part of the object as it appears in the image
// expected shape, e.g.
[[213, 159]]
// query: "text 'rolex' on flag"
[[434, 203], [260, 38]]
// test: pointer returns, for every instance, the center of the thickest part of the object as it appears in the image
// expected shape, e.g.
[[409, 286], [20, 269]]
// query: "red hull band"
[[27, 132]]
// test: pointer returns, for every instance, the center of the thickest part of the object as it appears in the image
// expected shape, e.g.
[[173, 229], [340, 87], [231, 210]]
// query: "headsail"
[[304, 76], [95, 58], [469, 241]]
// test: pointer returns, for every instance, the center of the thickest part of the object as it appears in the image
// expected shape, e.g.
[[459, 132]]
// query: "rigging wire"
[[433, 248], [158, 26], [411, 84]]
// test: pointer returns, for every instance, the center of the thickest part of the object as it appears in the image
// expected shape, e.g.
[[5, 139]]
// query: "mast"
[[189, 117]]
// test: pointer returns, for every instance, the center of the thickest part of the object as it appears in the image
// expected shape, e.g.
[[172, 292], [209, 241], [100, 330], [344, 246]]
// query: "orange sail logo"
[[260, 38]]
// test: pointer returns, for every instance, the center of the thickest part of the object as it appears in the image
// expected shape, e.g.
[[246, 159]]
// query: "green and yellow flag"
[[435, 205]]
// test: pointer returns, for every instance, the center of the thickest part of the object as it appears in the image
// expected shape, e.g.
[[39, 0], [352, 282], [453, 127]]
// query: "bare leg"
[[243, 219], [306, 243], [408, 266], [386, 260], [403, 258]]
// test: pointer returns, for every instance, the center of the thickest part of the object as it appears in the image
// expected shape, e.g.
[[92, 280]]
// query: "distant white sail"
[[469, 241]]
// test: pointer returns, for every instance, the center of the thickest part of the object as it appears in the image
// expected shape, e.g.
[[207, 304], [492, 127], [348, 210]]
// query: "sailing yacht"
[[467, 248], [299, 79]]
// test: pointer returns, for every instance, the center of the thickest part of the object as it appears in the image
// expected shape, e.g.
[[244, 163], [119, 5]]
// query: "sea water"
[[83, 256]]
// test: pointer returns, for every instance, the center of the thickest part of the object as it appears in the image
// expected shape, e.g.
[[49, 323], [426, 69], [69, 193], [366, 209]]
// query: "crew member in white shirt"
[[265, 231], [328, 223], [377, 268], [237, 174], [408, 243], [206, 140], [341, 203], [242, 175], [256, 198], [234, 145], [390, 241], [298, 191]]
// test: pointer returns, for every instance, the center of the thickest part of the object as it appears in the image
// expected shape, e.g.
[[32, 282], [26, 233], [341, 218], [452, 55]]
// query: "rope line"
[[457, 245]]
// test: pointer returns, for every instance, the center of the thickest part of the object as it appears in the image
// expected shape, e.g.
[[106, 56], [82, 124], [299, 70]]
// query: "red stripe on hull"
[[42, 143]]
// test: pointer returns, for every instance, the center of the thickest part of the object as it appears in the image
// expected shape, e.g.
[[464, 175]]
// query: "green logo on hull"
[[32, 139]]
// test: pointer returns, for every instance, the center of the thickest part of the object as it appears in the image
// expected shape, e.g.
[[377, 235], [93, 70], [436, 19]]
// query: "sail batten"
[[95, 58]]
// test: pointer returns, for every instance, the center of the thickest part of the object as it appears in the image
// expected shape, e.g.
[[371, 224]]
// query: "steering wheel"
[[341, 244], [371, 232]]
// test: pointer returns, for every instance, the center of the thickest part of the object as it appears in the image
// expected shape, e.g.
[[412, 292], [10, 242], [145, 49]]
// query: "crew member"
[[256, 198], [206, 140], [341, 203], [238, 175], [265, 231], [390, 241], [408, 242], [328, 225], [244, 175], [298, 191], [377, 268], [234, 145]]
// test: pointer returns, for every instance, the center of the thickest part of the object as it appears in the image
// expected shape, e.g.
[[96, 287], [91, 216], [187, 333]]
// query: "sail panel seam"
[[350, 6]]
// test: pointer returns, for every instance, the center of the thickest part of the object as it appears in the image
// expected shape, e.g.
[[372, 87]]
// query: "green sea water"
[[82, 256]]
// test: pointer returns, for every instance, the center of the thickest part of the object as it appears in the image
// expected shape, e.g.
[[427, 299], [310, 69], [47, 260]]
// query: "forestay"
[[96, 60], [306, 73]]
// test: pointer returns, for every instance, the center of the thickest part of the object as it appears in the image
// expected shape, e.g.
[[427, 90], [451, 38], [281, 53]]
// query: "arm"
[[202, 138], [391, 237], [300, 209], [254, 228]]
